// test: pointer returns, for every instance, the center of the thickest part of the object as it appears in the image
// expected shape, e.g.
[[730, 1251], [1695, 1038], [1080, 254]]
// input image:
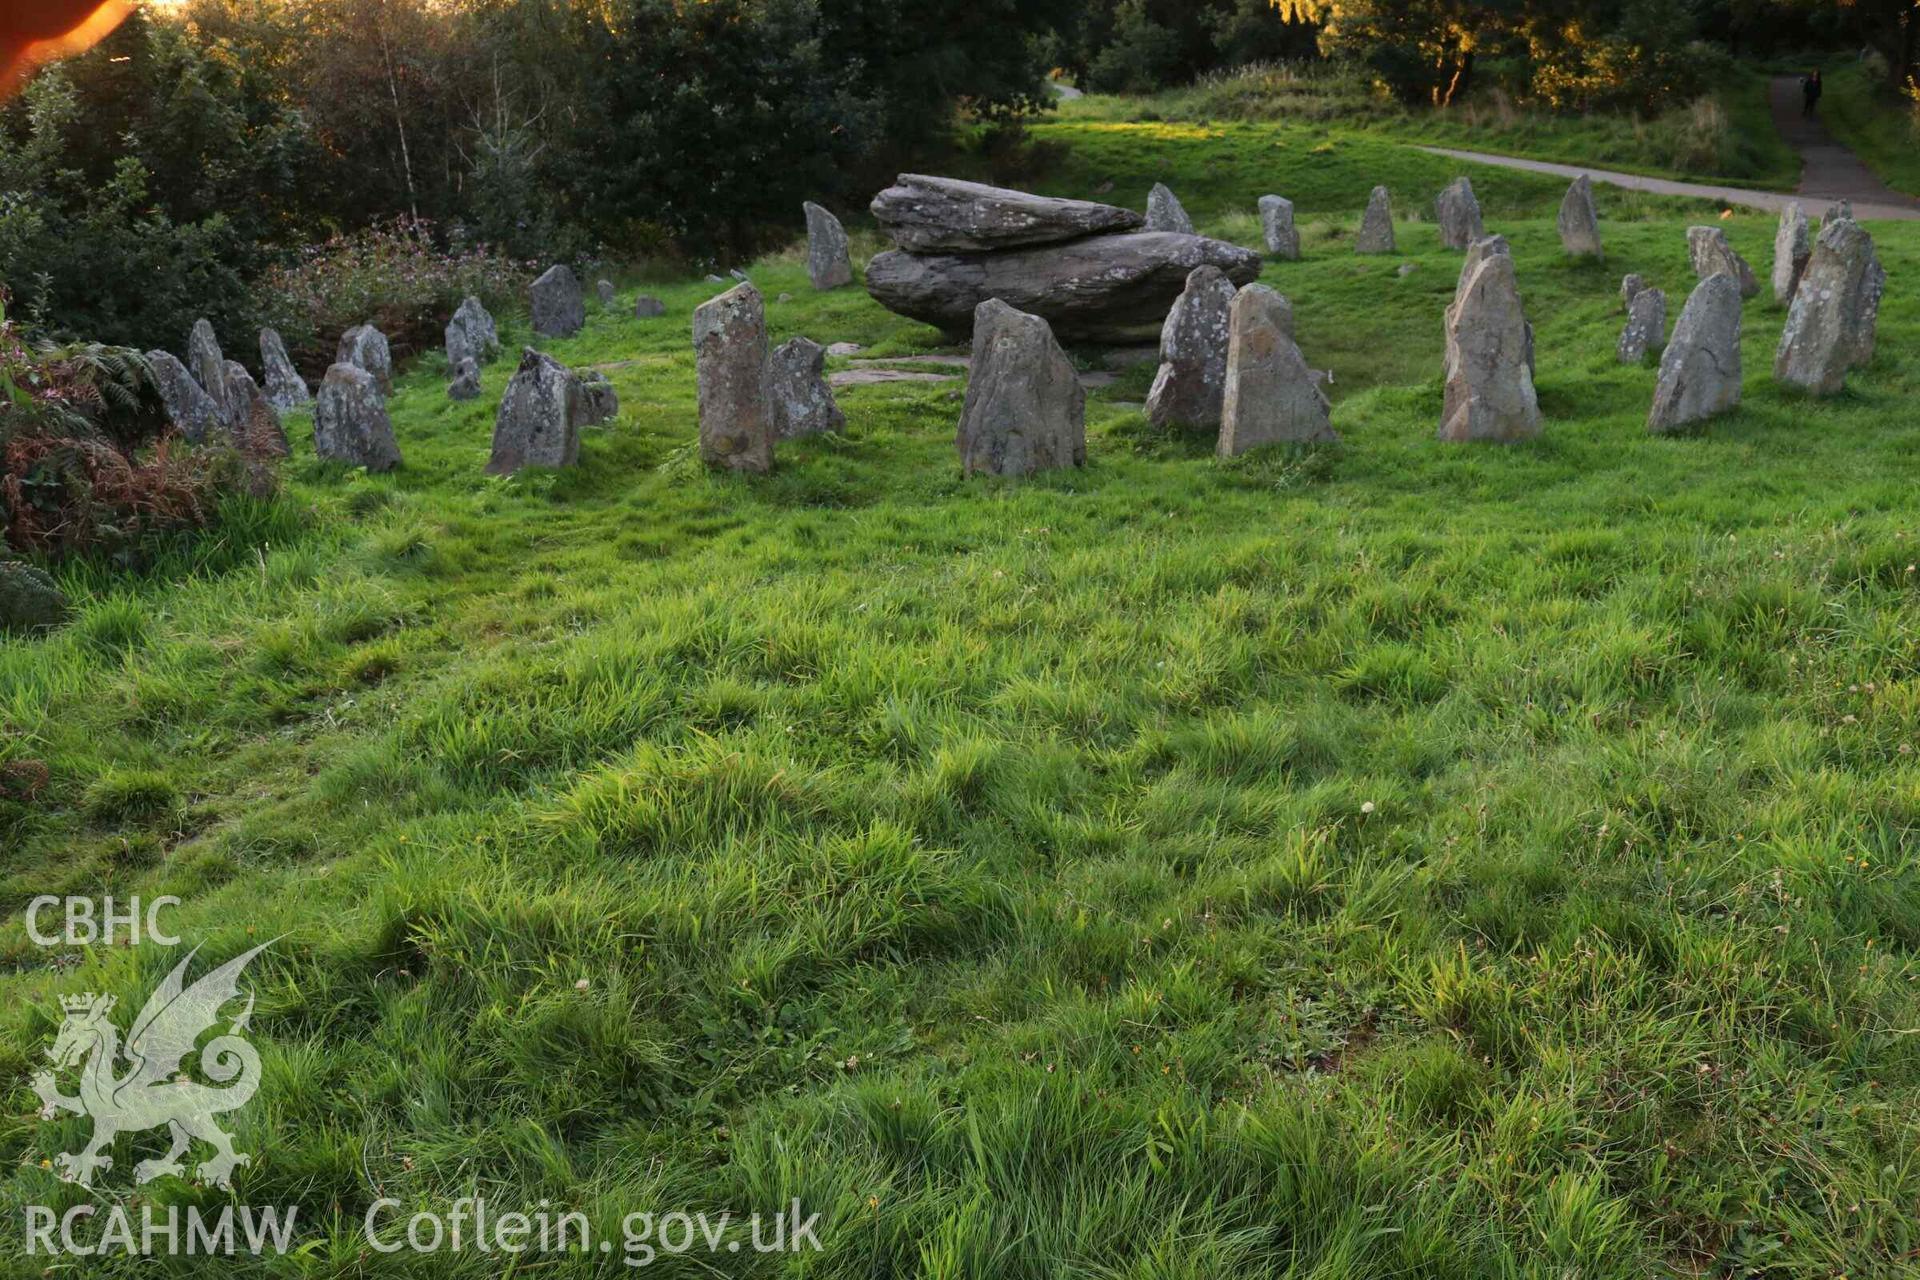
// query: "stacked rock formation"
[[1025, 410], [1458, 213], [1084, 267], [1271, 397], [1192, 380], [1711, 254], [1489, 357], [1830, 326], [1700, 369]]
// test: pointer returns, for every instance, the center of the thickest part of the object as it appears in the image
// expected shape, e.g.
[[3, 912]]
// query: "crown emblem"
[[84, 1002]]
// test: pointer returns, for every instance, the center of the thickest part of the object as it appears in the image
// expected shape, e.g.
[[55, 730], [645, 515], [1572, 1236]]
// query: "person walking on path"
[[1810, 91]]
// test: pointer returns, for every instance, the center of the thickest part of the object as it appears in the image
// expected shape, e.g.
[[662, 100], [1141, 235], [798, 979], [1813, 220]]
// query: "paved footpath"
[[1831, 172]]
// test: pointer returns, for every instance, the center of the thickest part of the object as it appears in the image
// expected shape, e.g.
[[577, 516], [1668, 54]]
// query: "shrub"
[[393, 275], [79, 468]]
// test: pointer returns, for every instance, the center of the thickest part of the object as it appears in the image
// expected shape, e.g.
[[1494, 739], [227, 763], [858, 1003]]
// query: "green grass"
[[1397, 860], [1881, 128], [1726, 137]]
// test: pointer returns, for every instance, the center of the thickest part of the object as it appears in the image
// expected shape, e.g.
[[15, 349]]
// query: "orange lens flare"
[[37, 31]]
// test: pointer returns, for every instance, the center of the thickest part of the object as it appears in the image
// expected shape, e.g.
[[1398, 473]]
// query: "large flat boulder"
[[1113, 288], [946, 215]]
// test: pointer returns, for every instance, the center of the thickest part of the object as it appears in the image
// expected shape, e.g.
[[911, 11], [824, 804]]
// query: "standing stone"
[[1477, 252], [598, 401], [1830, 324], [189, 408], [1630, 285], [1579, 221], [1711, 254], [209, 369], [286, 389], [1458, 213], [1276, 225], [802, 401], [736, 410], [1837, 210], [1489, 392], [1025, 410], [259, 431], [1700, 370], [646, 306], [1791, 249], [1376, 225], [1271, 396], [828, 263], [539, 420], [471, 335], [559, 310], [1646, 328], [350, 422], [1164, 212], [605, 289], [1192, 380], [466, 380], [366, 347]]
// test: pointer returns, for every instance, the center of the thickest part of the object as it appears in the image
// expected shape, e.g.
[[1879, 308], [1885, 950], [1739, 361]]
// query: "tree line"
[[162, 172]]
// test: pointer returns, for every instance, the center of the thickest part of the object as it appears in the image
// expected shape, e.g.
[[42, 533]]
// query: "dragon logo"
[[153, 1090]]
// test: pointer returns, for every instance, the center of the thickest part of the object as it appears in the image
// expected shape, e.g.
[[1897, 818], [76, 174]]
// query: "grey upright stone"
[[350, 422], [466, 380], [189, 408], [471, 335], [1025, 410], [258, 431], [559, 310], [828, 264], [1837, 210], [1276, 227], [1458, 213], [1164, 212], [1700, 370], [1271, 396], [209, 369], [598, 402], [1489, 375], [539, 420], [286, 389], [1791, 248], [604, 288], [1830, 323], [1376, 225], [1579, 221], [1646, 328], [803, 403], [366, 347], [646, 306], [1630, 284], [1711, 254], [736, 409], [1192, 379], [1477, 252]]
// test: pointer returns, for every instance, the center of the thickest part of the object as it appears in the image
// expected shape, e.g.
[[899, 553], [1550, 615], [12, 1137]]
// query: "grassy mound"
[[1393, 860]]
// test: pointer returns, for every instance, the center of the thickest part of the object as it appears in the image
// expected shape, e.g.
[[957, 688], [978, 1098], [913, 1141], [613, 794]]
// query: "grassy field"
[[1395, 860], [1727, 137]]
